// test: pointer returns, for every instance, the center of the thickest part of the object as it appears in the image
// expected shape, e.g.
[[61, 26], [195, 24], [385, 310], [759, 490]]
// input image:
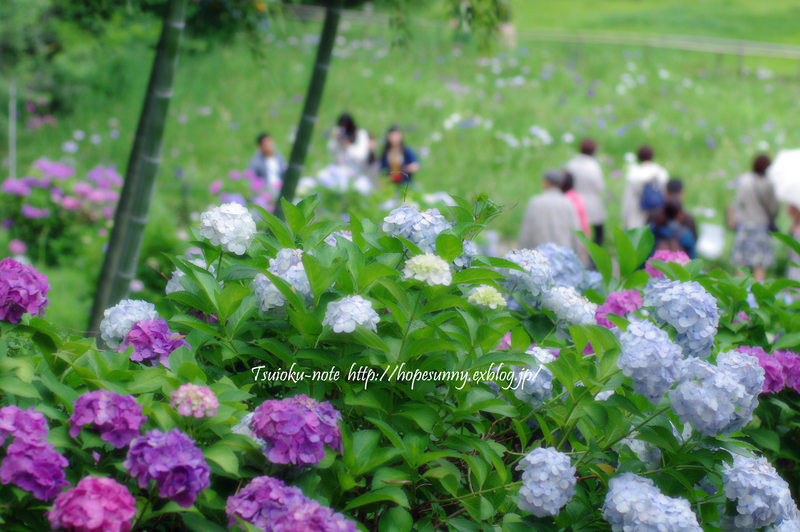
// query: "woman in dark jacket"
[[398, 160], [669, 233]]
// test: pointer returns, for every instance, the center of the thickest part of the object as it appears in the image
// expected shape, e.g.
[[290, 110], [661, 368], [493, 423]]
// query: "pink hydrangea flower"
[[152, 342], [619, 303], [71, 203], [664, 255], [193, 400], [17, 247], [22, 290], [234, 175], [94, 505], [774, 377], [35, 467], [215, 187]]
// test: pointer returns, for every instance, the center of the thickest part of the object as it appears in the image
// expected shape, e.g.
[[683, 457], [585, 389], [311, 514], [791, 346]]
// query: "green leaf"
[[395, 519], [277, 227], [223, 456], [230, 299], [428, 345], [448, 246], [368, 338], [764, 438], [64, 392], [600, 257], [288, 291], [14, 386], [309, 205], [198, 523], [294, 216], [391, 494], [320, 278], [626, 254], [356, 228], [793, 244], [476, 276], [643, 240], [373, 272]]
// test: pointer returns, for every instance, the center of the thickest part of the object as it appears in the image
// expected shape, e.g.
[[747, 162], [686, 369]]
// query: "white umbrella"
[[784, 172]]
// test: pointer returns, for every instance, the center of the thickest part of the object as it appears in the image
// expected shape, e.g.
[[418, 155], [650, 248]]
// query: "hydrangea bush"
[[383, 375]]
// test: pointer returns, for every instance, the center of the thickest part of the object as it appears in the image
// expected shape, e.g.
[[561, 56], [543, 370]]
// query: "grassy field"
[[470, 117]]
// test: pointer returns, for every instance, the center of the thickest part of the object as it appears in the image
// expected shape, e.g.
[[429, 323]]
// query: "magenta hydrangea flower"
[[774, 377], [619, 303], [663, 255], [54, 169], [311, 516], [193, 400], [15, 187], [117, 418], [173, 460], [94, 505], [152, 341], [790, 362], [262, 501], [25, 425], [22, 290], [296, 429], [32, 213], [34, 467]]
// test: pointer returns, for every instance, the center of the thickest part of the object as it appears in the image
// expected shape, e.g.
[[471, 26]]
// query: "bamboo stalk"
[[311, 107], [130, 219]]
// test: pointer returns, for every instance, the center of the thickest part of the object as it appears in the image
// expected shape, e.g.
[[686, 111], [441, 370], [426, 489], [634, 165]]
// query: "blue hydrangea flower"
[[465, 261], [568, 305], [707, 397], [537, 277], [548, 482], [421, 228], [762, 496], [592, 280], [633, 503], [567, 268], [648, 453], [751, 375], [690, 309], [401, 221], [650, 359], [119, 319], [534, 384], [790, 522]]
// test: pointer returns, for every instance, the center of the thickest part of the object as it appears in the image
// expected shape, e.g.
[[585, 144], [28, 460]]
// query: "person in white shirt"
[[550, 217], [639, 176], [590, 185], [349, 146], [267, 163]]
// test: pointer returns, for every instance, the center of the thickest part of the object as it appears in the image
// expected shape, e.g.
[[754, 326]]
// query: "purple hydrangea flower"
[[32, 213], [790, 363], [774, 377], [35, 468], [173, 460], [296, 428], [152, 341], [116, 418], [663, 255], [16, 187], [619, 303], [25, 425], [54, 169], [262, 501], [310, 516], [94, 505], [193, 400], [22, 290]]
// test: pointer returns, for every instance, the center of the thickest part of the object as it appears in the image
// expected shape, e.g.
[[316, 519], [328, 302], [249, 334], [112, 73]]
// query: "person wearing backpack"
[[670, 234], [644, 190]]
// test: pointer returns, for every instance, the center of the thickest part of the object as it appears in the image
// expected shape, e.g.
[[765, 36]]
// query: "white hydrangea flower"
[[331, 238], [429, 269], [344, 315], [120, 318], [762, 496], [633, 503], [421, 228], [465, 261], [486, 296], [230, 225], [707, 397], [174, 284], [285, 259], [548, 482], [603, 396], [244, 427], [650, 359], [270, 297], [569, 305]]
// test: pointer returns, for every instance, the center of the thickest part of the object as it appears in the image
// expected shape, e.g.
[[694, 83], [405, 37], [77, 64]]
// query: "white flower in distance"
[[548, 482], [174, 284], [569, 305], [230, 226], [120, 318], [344, 315], [486, 296], [429, 269]]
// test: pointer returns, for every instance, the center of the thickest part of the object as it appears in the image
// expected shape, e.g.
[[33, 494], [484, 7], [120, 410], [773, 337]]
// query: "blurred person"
[[349, 145], [793, 266], [567, 187], [267, 163], [551, 217], [670, 233], [754, 211], [398, 160], [589, 183], [373, 165], [643, 190], [675, 191]]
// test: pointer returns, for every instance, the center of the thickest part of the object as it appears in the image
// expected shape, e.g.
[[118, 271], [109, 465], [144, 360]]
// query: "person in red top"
[[577, 202]]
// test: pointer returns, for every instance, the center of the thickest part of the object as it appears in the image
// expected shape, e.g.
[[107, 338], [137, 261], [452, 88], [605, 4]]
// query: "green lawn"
[[704, 120]]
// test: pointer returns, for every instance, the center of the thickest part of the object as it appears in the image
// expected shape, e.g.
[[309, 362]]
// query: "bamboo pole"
[[130, 219], [311, 107], [12, 130]]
